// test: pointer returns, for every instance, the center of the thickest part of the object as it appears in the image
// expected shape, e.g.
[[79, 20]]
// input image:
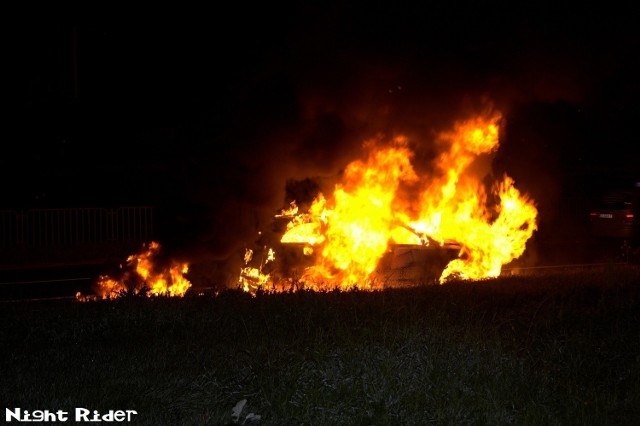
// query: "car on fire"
[[401, 265]]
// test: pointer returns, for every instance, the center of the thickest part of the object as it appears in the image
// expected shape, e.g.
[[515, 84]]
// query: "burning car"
[[409, 264], [387, 222], [401, 264]]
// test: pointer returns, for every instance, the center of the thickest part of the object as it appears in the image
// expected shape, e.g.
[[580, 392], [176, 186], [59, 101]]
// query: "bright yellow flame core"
[[382, 200]]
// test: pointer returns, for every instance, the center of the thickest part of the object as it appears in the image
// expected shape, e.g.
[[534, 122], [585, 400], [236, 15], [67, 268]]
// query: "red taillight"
[[629, 215], [593, 214]]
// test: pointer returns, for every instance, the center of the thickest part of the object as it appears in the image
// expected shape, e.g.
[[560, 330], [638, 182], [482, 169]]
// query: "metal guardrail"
[[63, 227]]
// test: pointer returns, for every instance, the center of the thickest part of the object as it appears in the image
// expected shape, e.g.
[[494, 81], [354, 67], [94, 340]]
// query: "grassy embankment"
[[552, 349]]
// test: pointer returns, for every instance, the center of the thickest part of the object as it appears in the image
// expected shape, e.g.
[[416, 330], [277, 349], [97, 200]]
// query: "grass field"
[[546, 349]]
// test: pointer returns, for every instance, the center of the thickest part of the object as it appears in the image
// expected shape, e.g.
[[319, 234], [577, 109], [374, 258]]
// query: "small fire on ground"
[[382, 201], [144, 274]]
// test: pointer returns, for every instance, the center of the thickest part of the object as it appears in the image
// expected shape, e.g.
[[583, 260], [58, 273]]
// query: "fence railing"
[[40, 228]]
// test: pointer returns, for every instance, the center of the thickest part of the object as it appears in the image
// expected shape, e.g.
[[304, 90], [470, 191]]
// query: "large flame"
[[142, 273], [354, 227], [456, 207], [381, 200]]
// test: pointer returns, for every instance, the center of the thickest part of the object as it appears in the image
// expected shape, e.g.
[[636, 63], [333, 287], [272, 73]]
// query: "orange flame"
[[253, 278], [382, 200], [291, 211], [142, 274]]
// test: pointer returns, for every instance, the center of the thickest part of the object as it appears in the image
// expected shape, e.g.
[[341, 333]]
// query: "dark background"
[[209, 113]]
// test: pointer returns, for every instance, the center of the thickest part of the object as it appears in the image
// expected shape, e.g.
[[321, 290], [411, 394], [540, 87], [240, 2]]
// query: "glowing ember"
[[142, 273], [381, 201]]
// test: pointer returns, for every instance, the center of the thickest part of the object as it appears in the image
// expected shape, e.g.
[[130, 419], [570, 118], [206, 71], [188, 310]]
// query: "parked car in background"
[[616, 215]]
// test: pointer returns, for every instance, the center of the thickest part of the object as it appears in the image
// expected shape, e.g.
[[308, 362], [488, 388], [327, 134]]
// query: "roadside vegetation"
[[542, 349]]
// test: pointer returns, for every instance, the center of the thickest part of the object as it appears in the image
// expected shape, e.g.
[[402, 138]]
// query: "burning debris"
[[144, 273], [254, 278], [382, 202]]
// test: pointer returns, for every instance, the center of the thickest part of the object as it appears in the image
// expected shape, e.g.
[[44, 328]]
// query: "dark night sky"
[[215, 111]]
